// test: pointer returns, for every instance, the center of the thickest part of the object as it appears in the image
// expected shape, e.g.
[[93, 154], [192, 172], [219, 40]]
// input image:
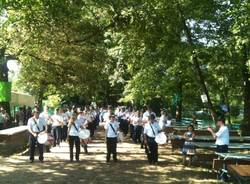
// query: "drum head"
[[161, 138], [42, 138], [84, 134]]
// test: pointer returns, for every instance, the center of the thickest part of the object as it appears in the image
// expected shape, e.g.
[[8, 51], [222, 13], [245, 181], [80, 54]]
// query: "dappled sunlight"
[[92, 168]]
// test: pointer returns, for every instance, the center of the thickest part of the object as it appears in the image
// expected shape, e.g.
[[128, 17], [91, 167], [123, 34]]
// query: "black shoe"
[[31, 161], [41, 161]]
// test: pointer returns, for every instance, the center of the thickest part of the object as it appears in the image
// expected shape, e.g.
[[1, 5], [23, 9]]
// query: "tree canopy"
[[132, 51]]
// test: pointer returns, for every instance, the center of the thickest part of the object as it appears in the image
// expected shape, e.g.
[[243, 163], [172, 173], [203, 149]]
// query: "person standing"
[[73, 129], [57, 123], [151, 129], [82, 119], [36, 126], [222, 136], [188, 147], [112, 128], [64, 127]]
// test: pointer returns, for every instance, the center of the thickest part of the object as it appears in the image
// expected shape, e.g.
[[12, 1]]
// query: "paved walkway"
[[92, 169]]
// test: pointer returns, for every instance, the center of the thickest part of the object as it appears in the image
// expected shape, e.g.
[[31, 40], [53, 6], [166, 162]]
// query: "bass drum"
[[42, 138], [161, 138]]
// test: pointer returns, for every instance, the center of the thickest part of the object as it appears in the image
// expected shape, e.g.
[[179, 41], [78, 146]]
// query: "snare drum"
[[42, 138], [84, 136], [161, 138]]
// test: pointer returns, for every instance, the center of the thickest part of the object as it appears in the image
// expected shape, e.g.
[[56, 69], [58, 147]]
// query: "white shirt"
[[45, 116], [40, 124], [110, 131], [136, 120], [81, 118], [72, 130], [65, 118], [106, 116], [149, 131], [146, 115], [57, 118], [222, 136], [163, 121]]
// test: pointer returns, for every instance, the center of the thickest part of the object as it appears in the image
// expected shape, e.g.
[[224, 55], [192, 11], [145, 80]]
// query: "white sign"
[[204, 98]]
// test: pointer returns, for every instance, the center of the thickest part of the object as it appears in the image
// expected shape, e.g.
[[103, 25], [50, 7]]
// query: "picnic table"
[[240, 172], [201, 132], [232, 146], [200, 138], [231, 165]]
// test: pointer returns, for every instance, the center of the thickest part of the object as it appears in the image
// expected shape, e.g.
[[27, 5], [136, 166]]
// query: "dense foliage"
[[135, 51]]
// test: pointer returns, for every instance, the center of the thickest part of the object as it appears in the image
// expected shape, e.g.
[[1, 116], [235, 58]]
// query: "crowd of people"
[[4, 118], [141, 126], [65, 123]]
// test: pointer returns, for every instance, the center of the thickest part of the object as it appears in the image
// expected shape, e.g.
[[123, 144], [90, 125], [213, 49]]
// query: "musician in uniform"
[[57, 123], [36, 126], [112, 128], [73, 129], [151, 129]]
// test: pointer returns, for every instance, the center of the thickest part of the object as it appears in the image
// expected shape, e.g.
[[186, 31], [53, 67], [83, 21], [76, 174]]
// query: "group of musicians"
[[73, 122]]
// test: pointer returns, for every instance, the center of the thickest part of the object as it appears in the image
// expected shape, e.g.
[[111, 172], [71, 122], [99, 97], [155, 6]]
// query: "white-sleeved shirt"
[[56, 120], [44, 115], [40, 124], [222, 136], [149, 131], [136, 120], [73, 130], [110, 132], [146, 115], [163, 121], [65, 118], [81, 118], [106, 116]]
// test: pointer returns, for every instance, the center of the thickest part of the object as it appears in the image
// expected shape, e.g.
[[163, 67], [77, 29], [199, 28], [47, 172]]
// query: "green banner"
[[5, 91]]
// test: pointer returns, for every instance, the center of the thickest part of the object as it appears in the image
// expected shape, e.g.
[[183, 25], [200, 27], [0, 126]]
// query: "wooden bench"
[[177, 144], [240, 172]]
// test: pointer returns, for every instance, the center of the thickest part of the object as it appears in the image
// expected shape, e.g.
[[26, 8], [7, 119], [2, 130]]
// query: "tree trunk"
[[197, 65], [179, 103], [246, 79]]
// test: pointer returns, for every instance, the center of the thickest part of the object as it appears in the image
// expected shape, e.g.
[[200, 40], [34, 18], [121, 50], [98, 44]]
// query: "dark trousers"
[[91, 127], [74, 140], [64, 130], [111, 148], [222, 148], [152, 150], [132, 131], [56, 132], [33, 142], [124, 126], [137, 133]]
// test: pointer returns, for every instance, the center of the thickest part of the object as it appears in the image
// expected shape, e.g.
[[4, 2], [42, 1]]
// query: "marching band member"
[[56, 127], [112, 128], [136, 120], [73, 129], [83, 121], [64, 127], [163, 120], [151, 129], [36, 125]]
